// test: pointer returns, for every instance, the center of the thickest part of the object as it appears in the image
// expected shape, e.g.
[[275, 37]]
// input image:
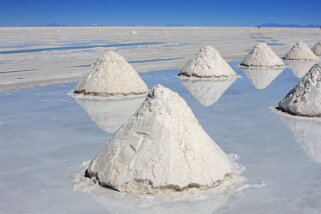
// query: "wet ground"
[[46, 135]]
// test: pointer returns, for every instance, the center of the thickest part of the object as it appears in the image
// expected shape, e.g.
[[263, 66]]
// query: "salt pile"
[[111, 75], [305, 98], [207, 92], [207, 63], [161, 148], [262, 78], [262, 56], [307, 132], [299, 67], [110, 114], [300, 51], [133, 32], [317, 49]]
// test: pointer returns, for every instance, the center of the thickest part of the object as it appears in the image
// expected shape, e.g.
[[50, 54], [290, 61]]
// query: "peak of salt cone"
[[207, 92], [207, 63], [111, 75], [300, 51], [317, 49], [161, 148], [305, 98], [307, 133], [262, 56], [262, 78]]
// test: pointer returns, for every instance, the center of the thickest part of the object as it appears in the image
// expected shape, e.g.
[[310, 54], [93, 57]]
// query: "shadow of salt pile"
[[299, 67], [207, 92], [262, 78], [307, 132], [110, 114], [115, 202]]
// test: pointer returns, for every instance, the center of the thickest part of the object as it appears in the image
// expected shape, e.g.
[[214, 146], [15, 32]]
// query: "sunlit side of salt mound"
[[111, 75], [307, 132], [262, 56], [262, 78], [317, 49], [207, 92], [299, 67], [305, 98], [300, 51], [161, 149], [110, 114], [207, 63]]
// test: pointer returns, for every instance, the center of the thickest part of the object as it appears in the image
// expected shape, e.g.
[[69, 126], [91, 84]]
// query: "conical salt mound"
[[207, 63], [317, 49], [207, 92], [262, 78], [262, 56], [110, 115], [307, 133], [305, 98], [300, 51], [111, 75], [161, 148]]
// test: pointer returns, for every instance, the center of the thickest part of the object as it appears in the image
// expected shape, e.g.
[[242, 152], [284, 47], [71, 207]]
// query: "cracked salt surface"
[[43, 145]]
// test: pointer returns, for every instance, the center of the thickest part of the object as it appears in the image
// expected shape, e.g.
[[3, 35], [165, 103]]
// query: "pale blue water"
[[78, 47], [46, 135]]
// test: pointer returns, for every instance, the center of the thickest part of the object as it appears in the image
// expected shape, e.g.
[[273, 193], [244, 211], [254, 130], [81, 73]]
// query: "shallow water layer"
[[46, 136], [77, 47]]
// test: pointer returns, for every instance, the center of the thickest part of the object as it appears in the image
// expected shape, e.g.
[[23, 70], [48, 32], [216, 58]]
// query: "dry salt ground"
[[47, 138]]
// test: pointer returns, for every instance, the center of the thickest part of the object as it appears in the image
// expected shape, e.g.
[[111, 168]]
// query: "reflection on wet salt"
[[207, 92], [262, 78], [299, 67], [110, 114], [307, 132]]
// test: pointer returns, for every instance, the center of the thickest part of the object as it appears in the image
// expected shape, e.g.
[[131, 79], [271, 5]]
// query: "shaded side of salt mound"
[[207, 63], [111, 75], [299, 67], [262, 78], [110, 115], [317, 49], [300, 51], [162, 148], [305, 98], [207, 92], [262, 56], [307, 133]]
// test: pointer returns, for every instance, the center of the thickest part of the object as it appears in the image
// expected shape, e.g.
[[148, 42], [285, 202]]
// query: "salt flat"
[[48, 137], [41, 56]]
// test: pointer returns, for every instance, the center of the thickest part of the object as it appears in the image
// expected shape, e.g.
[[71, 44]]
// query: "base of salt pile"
[[207, 63], [262, 56], [305, 98], [111, 75], [300, 51], [161, 149]]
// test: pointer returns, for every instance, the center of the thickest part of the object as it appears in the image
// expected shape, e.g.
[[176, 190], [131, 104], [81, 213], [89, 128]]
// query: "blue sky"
[[160, 12]]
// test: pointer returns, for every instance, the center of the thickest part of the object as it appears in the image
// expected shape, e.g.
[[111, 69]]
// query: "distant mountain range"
[[180, 25], [289, 25]]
